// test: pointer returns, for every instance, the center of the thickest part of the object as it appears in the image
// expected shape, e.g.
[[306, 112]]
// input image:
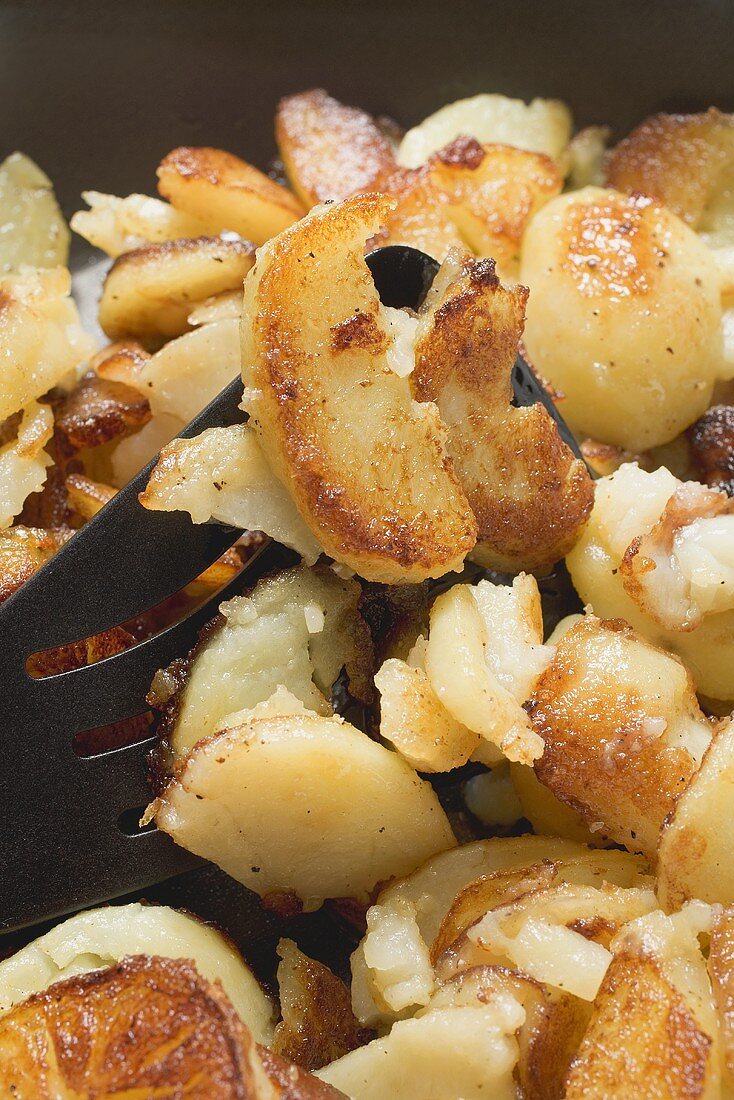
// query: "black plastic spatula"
[[68, 823]]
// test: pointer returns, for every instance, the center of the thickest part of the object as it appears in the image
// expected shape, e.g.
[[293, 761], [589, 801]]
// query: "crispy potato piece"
[[694, 858], [421, 216], [492, 192], [530, 495], [147, 1026], [118, 225], [712, 447], [546, 813], [616, 281], [23, 550], [622, 728], [318, 1024], [680, 160], [543, 126], [263, 641], [99, 410], [23, 460], [41, 338], [223, 190], [149, 292], [294, 830], [86, 497], [628, 504], [121, 361], [101, 937], [222, 474], [721, 972], [385, 501], [329, 150], [34, 229]]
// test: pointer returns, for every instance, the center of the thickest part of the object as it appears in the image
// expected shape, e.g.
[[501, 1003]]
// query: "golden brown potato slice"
[[694, 859], [622, 728], [317, 1024], [325, 362], [530, 496], [34, 229], [492, 192], [677, 159], [23, 550], [421, 217], [329, 150], [150, 292], [721, 972], [227, 193], [146, 1027], [121, 361], [99, 410]]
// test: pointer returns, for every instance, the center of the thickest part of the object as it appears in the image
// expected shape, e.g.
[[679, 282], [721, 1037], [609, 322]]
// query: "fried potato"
[[318, 1025], [629, 504], [188, 372], [455, 1051], [34, 229], [712, 447], [99, 938], [530, 496], [721, 973], [319, 361], [41, 339], [23, 460], [23, 550], [546, 813], [86, 497], [622, 728], [586, 155], [118, 225], [492, 192], [543, 126], [694, 859], [150, 292], [490, 796], [260, 642], [98, 410], [421, 216], [226, 192], [294, 831], [616, 282], [220, 307], [329, 150], [121, 361]]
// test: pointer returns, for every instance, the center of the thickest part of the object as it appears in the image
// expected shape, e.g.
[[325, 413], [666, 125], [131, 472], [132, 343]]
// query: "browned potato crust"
[[330, 150], [23, 550], [529, 494], [712, 447], [98, 410], [86, 497]]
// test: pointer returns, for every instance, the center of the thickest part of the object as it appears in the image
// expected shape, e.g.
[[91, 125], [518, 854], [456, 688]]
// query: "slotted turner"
[[68, 824]]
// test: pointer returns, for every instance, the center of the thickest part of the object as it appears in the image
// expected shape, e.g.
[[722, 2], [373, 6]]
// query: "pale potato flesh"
[[24, 462], [271, 801], [34, 229], [118, 225]]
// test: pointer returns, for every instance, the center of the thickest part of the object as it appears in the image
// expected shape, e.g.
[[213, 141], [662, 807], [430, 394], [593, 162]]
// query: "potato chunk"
[[318, 353], [34, 229], [101, 937], [41, 338], [271, 801], [118, 225], [629, 505], [530, 495], [696, 843], [224, 191], [263, 641], [721, 972], [543, 126], [150, 292], [622, 728], [23, 550], [23, 461], [616, 282]]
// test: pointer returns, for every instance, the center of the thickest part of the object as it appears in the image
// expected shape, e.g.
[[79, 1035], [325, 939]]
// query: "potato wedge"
[[623, 731], [383, 501], [150, 292], [330, 150], [530, 496], [34, 230], [222, 190], [271, 801]]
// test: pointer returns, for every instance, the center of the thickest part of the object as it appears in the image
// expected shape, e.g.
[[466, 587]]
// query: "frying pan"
[[97, 92]]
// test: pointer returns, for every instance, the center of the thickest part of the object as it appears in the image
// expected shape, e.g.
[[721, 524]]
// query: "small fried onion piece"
[[41, 338], [694, 858], [622, 727], [260, 642], [322, 355], [23, 460], [530, 495], [653, 1030], [34, 230], [101, 937], [271, 800], [222, 475], [23, 550], [150, 292], [219, 188]]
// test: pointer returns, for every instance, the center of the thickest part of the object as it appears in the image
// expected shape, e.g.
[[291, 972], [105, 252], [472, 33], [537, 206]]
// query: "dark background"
[[97, 92]]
